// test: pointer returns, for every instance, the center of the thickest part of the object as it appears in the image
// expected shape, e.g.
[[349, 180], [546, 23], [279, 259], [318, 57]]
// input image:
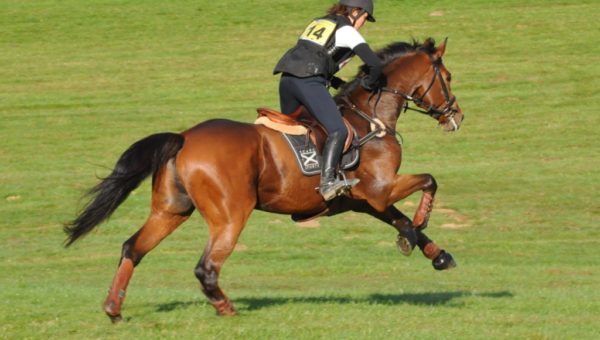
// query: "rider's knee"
[[339, 135]]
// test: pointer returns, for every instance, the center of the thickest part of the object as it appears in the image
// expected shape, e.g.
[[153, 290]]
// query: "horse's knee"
[[430, 184]]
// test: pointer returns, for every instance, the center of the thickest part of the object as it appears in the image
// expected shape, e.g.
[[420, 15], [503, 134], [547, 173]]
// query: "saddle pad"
[[289, 129], [308, 158]]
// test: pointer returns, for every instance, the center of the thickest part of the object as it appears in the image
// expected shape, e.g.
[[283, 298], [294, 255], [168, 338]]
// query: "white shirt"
[[348, 37]]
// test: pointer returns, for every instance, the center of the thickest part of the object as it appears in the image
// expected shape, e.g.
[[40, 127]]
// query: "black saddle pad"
[[308, 158]]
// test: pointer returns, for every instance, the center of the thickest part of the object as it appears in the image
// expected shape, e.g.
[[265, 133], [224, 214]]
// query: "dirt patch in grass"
[[309, 224], [458, 220]]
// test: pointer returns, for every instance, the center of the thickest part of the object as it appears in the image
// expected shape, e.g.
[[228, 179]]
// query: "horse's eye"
[[449, 78]]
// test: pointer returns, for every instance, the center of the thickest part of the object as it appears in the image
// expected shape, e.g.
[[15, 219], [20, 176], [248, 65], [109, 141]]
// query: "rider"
[[324, 47]]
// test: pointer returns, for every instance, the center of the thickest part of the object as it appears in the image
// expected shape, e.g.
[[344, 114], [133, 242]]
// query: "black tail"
[[143, 158]]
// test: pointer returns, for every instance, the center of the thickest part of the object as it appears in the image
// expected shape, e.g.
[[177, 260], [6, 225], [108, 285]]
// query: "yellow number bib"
[[319, 31]]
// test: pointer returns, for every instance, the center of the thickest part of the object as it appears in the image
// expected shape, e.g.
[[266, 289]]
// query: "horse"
[[226, 169]]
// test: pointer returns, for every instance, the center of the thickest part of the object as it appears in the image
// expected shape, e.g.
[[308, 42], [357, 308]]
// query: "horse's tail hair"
[[143, 158]]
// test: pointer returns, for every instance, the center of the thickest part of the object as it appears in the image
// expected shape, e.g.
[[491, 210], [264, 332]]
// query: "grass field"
[[518, 204]]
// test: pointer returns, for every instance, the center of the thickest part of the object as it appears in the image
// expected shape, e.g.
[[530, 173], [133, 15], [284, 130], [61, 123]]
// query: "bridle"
[[448, 111], [379, 129]]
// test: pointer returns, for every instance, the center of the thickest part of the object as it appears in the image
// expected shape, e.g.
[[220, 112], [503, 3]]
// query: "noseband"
[[447, 112]]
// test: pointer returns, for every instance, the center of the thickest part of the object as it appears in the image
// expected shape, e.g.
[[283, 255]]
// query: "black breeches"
[[312, 93]]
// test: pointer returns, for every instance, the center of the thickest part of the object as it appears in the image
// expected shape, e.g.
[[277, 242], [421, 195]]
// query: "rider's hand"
[[336, 82], [373, 85]]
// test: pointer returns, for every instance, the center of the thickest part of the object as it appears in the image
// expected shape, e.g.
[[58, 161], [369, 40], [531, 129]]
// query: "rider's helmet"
[[365, 5]]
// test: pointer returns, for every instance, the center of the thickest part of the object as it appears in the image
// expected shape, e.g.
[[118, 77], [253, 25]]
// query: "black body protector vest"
[[316, 53]]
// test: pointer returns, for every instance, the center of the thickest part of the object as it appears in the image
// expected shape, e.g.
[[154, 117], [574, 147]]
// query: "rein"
[[378, 128]]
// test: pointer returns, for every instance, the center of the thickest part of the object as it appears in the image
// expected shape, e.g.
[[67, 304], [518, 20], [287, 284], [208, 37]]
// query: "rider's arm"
[[373, 63], [349, 37]]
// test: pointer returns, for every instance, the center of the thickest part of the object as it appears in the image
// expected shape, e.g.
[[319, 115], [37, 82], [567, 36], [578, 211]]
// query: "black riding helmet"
[[365, 5]]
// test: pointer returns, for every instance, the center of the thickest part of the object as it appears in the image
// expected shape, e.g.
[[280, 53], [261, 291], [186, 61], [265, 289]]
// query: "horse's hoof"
[[404, 245], [224, 308], [443, 261], [406, 241], [227, 312], [114, 316]]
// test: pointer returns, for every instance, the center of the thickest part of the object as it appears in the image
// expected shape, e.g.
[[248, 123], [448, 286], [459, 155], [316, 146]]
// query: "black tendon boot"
[[331, 186]]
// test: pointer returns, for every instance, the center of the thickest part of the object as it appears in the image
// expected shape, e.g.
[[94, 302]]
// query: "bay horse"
[[226, 169]]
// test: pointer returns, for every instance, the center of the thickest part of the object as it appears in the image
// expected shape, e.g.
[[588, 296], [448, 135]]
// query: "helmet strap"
[[354, 17]]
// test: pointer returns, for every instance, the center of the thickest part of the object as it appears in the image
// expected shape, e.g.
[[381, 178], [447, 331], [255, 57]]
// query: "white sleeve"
[[348, 37]]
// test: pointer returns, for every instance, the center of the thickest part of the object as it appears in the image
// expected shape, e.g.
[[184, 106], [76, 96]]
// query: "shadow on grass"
[[431, 299]]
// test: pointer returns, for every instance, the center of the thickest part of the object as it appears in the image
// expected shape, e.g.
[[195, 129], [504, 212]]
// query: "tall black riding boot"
[[331, 186]]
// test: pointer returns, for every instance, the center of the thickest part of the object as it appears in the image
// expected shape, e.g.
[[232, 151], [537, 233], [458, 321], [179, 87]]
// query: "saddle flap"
[[309, 159]]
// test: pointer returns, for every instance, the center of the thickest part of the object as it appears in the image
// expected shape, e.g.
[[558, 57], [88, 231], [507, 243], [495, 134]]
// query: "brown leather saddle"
[[300, 122]]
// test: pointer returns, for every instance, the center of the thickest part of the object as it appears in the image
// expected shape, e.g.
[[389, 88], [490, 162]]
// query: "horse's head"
[[416, 73]]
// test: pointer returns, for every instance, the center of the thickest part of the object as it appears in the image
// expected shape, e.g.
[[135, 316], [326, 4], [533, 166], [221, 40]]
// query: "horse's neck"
[[384, 106], [388, 109]]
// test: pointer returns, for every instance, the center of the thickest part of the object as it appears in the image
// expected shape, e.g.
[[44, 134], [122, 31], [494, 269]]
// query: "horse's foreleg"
[[440, 259], [408, 238], [158, 226], [405, 185]]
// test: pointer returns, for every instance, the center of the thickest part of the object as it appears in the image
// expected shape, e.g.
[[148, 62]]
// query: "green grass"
[[82, 80]]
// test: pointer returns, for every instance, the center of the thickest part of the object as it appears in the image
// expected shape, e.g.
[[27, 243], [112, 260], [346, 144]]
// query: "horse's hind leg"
[[170, 208], [226, 219], [223, 237]]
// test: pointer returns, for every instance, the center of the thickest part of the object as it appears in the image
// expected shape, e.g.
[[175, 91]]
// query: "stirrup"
[[330, 190]]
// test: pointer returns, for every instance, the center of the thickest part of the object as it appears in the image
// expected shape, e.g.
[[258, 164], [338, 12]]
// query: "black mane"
[[389, 54], [398, 49]]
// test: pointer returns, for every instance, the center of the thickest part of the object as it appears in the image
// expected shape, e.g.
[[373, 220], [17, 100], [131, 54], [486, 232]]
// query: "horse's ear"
[[439, 52]]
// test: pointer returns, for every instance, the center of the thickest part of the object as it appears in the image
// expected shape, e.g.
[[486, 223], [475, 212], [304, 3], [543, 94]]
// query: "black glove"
[[336, 82], [373, 85]]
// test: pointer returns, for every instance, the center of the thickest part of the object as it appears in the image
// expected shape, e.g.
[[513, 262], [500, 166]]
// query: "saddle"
[[300, 122], [306, 137]]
